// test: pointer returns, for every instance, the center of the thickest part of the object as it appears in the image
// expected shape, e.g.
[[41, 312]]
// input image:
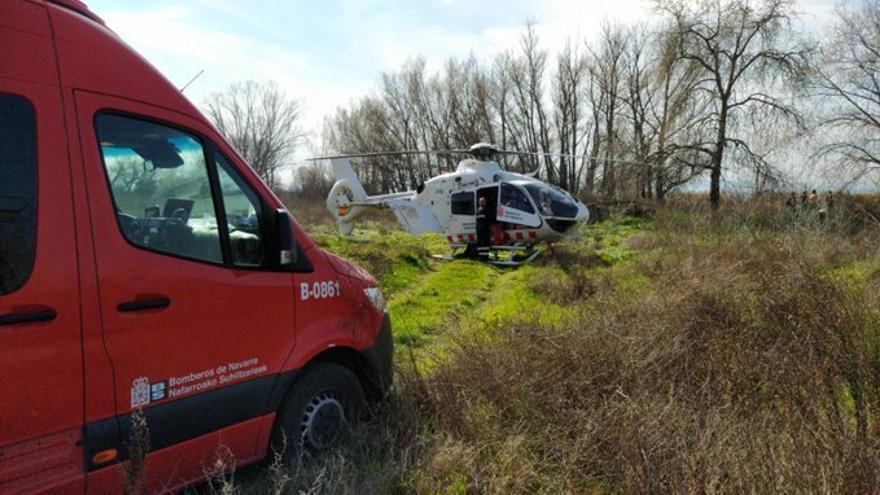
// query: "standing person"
[[814, 199], [791, 201], [483, 229]]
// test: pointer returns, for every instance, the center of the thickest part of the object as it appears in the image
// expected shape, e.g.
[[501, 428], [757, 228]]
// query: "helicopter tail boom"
[[348, 201]]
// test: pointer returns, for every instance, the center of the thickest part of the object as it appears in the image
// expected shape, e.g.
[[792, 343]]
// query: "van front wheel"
[[318, 411]]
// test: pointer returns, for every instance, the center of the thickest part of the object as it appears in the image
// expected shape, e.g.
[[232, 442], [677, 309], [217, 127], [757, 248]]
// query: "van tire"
[[307, 423]]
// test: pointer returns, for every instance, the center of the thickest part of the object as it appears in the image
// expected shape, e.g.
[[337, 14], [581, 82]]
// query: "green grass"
[[427, 298], [515, 299], [395, 258], [609, 238], [430, 300], [856, 272], [450, 293]]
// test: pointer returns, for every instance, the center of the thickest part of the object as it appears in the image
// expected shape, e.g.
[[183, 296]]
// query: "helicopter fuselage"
[[525, 209]]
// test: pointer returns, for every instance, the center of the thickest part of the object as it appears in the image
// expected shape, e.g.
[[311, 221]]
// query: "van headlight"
[[374, 294]]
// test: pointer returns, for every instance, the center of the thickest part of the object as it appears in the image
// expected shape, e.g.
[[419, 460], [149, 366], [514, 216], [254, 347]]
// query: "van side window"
[[244, 215], [513, 197], [161, 188], [18, 191], [463, 203]]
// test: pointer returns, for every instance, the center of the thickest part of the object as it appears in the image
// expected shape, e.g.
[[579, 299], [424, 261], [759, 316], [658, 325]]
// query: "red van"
[[145, 267]]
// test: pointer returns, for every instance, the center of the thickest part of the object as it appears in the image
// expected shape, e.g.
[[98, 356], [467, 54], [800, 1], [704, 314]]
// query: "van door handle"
[[37, 316], [144, 304]]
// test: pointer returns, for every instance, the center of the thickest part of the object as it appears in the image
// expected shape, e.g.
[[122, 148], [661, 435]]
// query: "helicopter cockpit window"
[[463, 203], [513, 197], [552, 202]]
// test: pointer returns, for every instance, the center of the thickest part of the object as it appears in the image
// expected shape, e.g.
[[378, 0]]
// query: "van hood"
[[349, 269]]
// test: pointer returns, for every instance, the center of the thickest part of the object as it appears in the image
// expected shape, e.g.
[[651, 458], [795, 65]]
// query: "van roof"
[[80, 8]]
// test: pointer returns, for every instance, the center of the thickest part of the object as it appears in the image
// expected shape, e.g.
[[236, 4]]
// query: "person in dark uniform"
[[483, 229]]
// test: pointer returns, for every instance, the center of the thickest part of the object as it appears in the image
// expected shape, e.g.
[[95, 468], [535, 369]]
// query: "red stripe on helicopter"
[[508, 236]]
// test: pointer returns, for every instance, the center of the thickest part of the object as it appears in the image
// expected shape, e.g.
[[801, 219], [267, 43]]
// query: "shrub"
[[748, 362], [727, 376]]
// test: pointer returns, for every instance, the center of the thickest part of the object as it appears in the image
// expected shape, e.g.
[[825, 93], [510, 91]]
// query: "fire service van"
[[146, 269]]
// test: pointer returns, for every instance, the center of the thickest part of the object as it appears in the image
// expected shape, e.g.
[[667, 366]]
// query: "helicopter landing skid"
[[454, 250], [506, 255], [501, 255]]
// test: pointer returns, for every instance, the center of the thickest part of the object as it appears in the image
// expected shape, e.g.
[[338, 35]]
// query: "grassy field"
[[682, 351]]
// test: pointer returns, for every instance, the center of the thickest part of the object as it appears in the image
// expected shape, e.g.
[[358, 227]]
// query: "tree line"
[[706, 87], [641, 109]]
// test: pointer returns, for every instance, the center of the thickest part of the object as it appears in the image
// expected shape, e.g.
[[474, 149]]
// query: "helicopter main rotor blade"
[[389, 153], [469, 152], [577, 157], [366, 155]]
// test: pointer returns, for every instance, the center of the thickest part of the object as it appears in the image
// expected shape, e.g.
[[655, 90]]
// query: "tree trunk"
[[718, 158], [715, 183]]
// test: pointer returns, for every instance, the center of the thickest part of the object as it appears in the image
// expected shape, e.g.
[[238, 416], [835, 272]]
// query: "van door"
[[195, 321], [514, 206], [41, 373]]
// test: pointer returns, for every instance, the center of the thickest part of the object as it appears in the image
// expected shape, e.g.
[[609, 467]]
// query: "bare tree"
[[313, 181], [639, 98], [677, 116], [634, 94], [260, 121], [745, 48], [606, 65], [529, 122], [569, 114], [848, 79]]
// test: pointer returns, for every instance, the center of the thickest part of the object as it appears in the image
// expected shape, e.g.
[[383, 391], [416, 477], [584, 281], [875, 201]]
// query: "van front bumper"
[[380, 358]]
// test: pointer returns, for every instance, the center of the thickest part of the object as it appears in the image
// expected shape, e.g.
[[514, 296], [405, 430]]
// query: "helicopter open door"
[[514, 206]]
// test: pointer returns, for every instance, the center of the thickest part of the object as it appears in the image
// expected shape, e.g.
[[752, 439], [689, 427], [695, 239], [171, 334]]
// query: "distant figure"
[[483, 229], [804, 198], [791, 201], [825, 209], [814, 199]]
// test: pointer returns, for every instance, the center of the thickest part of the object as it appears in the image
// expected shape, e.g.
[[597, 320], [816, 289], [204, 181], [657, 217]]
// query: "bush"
[[724, 377], [748, 362]]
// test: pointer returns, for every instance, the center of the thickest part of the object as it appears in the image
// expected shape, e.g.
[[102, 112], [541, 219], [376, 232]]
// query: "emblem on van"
[[140, 392], [143, 392]]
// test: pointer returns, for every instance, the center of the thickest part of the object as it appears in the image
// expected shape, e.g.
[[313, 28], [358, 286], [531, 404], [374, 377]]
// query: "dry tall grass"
[[751, 363], [741, 370]]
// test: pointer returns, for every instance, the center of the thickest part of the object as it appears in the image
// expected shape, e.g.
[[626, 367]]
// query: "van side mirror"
[[286, 246]]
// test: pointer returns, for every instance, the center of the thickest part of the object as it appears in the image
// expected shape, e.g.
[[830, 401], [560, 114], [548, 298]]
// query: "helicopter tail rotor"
[[346, 193]]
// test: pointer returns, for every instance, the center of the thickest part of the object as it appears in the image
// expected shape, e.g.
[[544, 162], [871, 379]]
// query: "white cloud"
[[179, 46]]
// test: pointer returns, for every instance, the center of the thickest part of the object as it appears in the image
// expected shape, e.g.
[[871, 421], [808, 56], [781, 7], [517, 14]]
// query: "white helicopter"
[[528, 210]]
